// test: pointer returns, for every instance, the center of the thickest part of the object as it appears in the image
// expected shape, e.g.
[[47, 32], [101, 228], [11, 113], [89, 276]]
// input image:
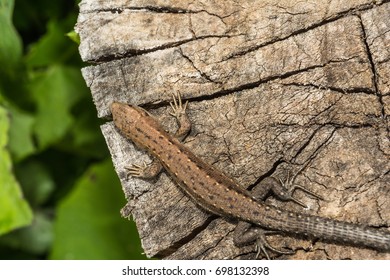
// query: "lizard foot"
[[136, 170], [178, 109], [179, 112], [262, 246], [145, 171], [245, 233], [284, 190]]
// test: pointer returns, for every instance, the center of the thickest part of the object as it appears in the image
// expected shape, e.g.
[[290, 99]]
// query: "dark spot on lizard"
[[147, 136]]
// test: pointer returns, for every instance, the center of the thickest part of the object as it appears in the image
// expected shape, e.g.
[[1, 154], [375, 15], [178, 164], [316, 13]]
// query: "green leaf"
[[36, 181], [89, 225], [14, 210], [21, 143], [74, 37], [55, 91], [35, 238], [10, 43], [6, 9], [85, 137], [53, 47]]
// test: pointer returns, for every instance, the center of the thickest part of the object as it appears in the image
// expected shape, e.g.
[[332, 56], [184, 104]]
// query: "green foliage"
[[10, 43], [35, 239], [91, 209], [59, 195], [21, 133], [53, 47], [74, 37], [14, 210], [55, 92]]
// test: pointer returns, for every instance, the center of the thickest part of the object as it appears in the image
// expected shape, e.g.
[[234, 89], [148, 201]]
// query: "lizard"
[[219, 194]]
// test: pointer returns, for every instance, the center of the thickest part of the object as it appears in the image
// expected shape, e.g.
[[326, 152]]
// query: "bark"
[[275, 87]]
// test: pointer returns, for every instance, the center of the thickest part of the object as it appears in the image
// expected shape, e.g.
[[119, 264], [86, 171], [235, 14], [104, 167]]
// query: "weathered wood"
[[274, 87]]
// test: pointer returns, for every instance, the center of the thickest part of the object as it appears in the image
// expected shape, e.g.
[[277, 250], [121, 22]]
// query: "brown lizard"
[[217, 193]]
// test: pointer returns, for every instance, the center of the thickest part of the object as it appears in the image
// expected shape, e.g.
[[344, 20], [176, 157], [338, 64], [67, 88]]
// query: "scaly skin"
[[219, 194]]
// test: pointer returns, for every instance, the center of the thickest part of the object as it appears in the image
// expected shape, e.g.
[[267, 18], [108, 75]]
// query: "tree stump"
[[274, 88]]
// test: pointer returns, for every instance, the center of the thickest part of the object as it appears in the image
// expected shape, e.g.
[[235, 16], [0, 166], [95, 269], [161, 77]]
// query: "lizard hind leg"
[[245, 233], [284, 190]]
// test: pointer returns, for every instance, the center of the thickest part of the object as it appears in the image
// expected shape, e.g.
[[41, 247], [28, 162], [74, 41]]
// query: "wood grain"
[[273, 87]]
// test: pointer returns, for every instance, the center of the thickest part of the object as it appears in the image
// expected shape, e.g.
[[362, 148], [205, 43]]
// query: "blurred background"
[[59, 195]]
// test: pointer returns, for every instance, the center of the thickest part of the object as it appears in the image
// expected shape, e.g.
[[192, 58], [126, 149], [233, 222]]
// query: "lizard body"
[[221, 195]]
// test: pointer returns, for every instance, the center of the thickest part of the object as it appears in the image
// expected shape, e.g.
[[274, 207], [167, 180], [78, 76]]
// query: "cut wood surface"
[[274, 88]]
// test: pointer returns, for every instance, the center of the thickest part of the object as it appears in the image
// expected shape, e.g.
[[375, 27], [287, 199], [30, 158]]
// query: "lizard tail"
[[326, 229]]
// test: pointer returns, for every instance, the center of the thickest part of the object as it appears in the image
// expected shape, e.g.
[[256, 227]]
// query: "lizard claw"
[[262, 246], [178, 109], [136, 170], [287, 188], [245, 233], [179, 112]]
